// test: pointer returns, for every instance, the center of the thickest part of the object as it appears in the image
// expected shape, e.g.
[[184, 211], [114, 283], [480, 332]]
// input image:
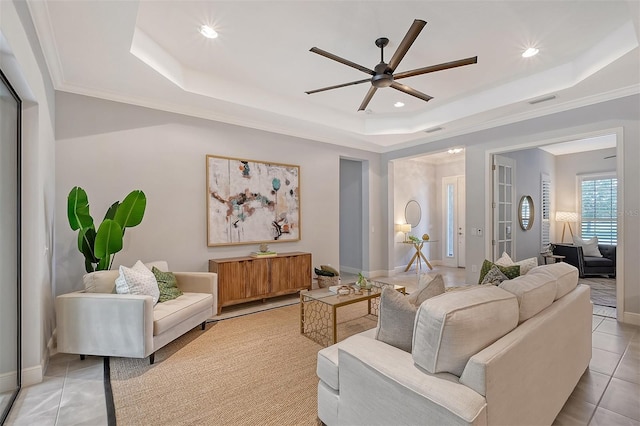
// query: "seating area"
[[589, 265], [475, 356], [99, 321]]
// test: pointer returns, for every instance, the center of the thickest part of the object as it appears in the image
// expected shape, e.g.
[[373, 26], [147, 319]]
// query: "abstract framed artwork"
[[251, 201]]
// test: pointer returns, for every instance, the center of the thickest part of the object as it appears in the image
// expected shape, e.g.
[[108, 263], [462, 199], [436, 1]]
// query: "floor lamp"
[[567, 218]]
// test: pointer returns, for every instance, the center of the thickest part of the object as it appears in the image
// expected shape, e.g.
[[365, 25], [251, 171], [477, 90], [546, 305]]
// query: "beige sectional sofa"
[[485, 355], [97, 321]]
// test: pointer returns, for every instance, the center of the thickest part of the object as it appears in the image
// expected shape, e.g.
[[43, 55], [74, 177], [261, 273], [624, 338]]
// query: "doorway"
[[352, 218]]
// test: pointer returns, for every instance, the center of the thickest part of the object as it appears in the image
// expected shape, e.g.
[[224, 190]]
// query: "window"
[[599, 207]]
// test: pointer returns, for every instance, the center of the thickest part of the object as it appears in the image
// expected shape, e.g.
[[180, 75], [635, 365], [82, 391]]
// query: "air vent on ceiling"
[[544, 99], [434, 129]]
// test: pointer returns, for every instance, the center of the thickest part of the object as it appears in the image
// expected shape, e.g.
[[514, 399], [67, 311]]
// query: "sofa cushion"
[[137, 280], [452, 327], [566, 276], [589, 247], [327, 367], [510, 271], [534, 291], [167, 284], [166, 315], [525, 265], [100, 281]]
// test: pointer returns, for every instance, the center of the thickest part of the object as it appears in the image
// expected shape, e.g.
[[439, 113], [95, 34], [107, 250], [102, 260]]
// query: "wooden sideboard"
[[243, 279]]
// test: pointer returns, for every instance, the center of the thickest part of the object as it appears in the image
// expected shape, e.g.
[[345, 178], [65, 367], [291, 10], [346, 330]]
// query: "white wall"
[[110, 148], [622, 114], [22, 61]]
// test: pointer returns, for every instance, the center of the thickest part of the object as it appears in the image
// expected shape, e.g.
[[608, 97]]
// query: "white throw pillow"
[[505, 260], [589, 247], [525, 265], [137, 280]]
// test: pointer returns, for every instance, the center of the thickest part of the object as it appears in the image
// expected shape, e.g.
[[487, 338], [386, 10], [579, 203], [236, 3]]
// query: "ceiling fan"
[[383, 73]]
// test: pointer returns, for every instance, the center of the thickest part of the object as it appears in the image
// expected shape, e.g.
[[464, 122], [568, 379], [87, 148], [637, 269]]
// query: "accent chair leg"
[[152, 358], [82, 357], [203, 325]]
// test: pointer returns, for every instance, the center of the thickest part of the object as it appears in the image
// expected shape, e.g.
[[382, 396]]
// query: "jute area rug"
[[250, 370]]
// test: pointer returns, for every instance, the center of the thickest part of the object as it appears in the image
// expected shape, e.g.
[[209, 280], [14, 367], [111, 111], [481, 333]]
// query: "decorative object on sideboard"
[[327, 276], [567, 218], [99, 247], [250, 201]]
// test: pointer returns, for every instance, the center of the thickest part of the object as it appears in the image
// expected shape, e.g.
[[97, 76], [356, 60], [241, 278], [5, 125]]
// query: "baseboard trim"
[[631, 318], [32, 375]]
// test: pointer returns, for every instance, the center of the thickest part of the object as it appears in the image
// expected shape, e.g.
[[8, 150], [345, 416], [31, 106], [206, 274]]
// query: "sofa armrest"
[[608, 251], [105, 324], [411, 395], [199, 282]]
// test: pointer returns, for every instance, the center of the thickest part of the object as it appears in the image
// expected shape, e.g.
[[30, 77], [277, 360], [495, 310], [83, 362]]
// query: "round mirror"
[[526, 212], [412, 213]]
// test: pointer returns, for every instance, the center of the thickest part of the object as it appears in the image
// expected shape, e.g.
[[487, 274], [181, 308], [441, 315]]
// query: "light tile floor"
[[608, 393]]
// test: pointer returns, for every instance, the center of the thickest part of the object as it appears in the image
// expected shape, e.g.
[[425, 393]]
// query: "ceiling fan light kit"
[[383, 75]]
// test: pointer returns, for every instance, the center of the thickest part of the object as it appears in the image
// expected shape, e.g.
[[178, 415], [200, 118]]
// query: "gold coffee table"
[[319, 308]]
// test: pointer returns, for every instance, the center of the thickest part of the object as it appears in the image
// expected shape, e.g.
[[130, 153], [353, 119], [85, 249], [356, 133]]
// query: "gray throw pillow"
[[427, 290], [395, 319], [398, 312], [494, 276]]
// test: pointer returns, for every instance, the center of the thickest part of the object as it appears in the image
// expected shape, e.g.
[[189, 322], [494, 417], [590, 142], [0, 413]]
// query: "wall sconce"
[[405, 228], [567, 218]]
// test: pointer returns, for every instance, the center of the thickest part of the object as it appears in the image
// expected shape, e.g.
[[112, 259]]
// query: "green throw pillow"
[[168, 285], [510, 271]]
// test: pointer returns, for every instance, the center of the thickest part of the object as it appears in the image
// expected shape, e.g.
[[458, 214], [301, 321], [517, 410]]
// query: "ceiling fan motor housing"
[[383, 76]]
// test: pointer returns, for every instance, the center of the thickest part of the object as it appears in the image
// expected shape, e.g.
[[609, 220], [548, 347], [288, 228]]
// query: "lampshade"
[[405, 228], [566, 217]]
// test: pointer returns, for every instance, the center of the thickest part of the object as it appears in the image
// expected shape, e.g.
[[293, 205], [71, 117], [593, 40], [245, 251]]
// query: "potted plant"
[[99, 247]]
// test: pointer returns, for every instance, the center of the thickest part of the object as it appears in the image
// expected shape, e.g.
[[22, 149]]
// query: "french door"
[[503, 206]]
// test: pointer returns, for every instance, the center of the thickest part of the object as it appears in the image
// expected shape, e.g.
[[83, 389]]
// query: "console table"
[[418, 256], [243, 279]]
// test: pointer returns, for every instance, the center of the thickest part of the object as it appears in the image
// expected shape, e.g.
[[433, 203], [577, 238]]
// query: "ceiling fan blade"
[[341, 60], [439, 67], [409, 91], [406, 43], [337, 86], [367, 98]]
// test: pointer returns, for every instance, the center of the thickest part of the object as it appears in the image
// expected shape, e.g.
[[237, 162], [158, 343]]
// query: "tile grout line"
[[607, 386], [64, 381]]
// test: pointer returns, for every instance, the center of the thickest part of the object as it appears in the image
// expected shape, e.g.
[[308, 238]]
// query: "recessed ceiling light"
[[208, 32], [398, 104], [455, 151], [532, 51]]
